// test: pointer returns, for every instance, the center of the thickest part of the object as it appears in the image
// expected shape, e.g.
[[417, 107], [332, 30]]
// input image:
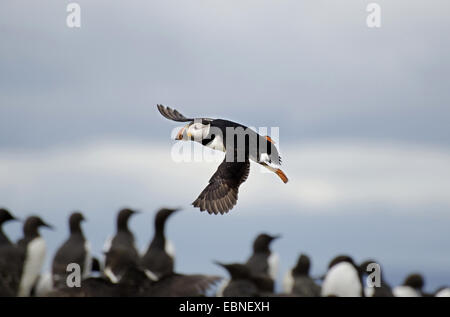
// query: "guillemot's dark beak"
[[220, 264], [276, 236], [172, 211], [44, 224]]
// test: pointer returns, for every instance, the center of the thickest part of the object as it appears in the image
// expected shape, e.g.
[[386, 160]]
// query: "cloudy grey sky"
[[363, 116]]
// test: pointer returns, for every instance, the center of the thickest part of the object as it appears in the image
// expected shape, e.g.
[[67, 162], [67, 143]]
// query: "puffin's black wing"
[[172, 114], [221, 194]]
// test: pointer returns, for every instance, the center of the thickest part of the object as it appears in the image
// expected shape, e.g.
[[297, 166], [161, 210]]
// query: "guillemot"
[[123, 241], [159, 257], [5, 216], [343, 278], [76, 249], [263, 261], [35, 248], [298, 282]]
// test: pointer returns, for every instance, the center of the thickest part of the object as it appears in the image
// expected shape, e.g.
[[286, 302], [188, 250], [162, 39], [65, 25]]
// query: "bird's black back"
[[5, 216], [4, 240], [123, 242], [72, 251], [258, 263], [158, 261], [12, 259], [255, 144], [180, 285], [241, 288]]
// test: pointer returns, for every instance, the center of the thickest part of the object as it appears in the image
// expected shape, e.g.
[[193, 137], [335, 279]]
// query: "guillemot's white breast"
[[34, 259], [342, 280]]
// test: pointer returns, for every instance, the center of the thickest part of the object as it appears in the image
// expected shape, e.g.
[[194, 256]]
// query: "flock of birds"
[[125, 272]]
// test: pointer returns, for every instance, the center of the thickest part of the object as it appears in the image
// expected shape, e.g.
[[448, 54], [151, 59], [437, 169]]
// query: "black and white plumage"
[[263, 262], [240, 145], [76, 249], [384, 290], [411, 287], [34, 248], [5, 216], [159, 257], [343, 278], [298, 282], [243, 283], [442, 291], [123, 242]]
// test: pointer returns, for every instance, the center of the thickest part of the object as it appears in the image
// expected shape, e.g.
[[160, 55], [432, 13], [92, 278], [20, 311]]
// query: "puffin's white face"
[[196, 131]]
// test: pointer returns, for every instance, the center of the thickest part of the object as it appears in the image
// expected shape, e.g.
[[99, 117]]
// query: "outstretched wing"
[[172, 114], [221, 194]]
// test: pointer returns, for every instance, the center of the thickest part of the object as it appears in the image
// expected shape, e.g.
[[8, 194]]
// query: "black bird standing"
[[298, 281], [243, 283], [124, 242], [263, 262], [417, 282], [75, 249], [240, 147], [159, 263], [5, 216], [412, 287], [157, 259], [34, 248], [11, 259], [384, 290]]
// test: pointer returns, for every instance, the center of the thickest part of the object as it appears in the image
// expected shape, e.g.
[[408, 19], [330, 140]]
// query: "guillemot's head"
[[5, 216], [32, 225]]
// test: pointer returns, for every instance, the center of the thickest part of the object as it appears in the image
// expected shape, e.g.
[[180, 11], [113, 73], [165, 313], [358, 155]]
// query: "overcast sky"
[[362, 113]]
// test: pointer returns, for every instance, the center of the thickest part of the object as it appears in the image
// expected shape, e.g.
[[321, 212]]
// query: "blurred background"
[[363, 116]]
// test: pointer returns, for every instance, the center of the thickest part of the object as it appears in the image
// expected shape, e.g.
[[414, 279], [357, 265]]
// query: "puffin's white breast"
[[217, 144]]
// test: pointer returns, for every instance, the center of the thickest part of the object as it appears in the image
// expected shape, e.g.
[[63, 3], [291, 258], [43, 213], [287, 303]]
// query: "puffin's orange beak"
[[180, 133], [281, 175]]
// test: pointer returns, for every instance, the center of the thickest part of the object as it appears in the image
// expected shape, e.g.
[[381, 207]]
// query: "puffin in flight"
[[240, 144]]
